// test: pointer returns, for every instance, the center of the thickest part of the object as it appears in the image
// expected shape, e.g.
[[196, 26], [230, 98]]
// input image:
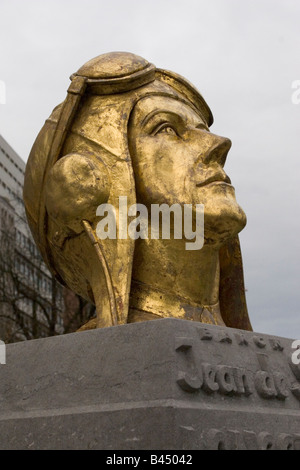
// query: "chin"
[[223, 217], [223, 223]]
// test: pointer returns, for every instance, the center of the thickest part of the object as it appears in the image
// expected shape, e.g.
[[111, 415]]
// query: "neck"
[[169, 281]]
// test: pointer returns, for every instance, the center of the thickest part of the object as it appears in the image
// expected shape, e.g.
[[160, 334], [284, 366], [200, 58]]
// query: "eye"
[[165, 129]]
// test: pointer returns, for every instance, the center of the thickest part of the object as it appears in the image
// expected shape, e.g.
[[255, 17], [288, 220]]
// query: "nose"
[[216, 150]]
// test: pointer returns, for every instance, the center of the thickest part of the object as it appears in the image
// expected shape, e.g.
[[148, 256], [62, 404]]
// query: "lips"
[[219, 177]]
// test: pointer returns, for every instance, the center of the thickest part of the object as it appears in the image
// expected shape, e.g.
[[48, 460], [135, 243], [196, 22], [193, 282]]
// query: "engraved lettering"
[[225, 379], [232, 439], [297, 442], [224, 338], [183, 343], [216, 440], [205, 334], [281, 386], [188, 377], [187, 382], [295, 389], [285, 442], [276, 345], [209, 379], [264, 384], [241, 339], [265, 441], [259, 341], [244, 381]]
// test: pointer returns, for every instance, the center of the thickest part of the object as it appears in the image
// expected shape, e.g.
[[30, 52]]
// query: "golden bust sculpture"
[[129, 129]]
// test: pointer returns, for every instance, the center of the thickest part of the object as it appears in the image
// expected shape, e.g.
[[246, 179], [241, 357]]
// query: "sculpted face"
[[177, 160], [127, 125]]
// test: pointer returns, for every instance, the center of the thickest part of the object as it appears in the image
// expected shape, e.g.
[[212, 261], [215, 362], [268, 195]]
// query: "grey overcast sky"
[[243, 56]]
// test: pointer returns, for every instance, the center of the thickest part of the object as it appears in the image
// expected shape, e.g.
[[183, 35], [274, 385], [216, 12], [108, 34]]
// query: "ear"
[[76, 185]]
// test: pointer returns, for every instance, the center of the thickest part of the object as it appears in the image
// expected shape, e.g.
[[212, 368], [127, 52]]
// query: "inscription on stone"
[[231, 439], [258, 376], [184, 385]]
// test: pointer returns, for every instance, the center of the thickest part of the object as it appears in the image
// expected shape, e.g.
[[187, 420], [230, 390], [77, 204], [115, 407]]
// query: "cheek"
[[163, 169], [164, 157]]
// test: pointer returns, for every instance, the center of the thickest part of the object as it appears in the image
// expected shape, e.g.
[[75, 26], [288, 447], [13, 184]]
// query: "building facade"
[[31, 301], [12, 170]]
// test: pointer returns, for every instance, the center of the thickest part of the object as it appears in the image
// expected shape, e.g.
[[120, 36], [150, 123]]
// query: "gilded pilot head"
[[127, 128]]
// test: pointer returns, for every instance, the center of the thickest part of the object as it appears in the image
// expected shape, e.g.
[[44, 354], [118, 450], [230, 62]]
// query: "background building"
[[31, 301]]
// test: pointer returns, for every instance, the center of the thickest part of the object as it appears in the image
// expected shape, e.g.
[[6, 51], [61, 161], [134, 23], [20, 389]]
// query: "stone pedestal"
[[163, 385]]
